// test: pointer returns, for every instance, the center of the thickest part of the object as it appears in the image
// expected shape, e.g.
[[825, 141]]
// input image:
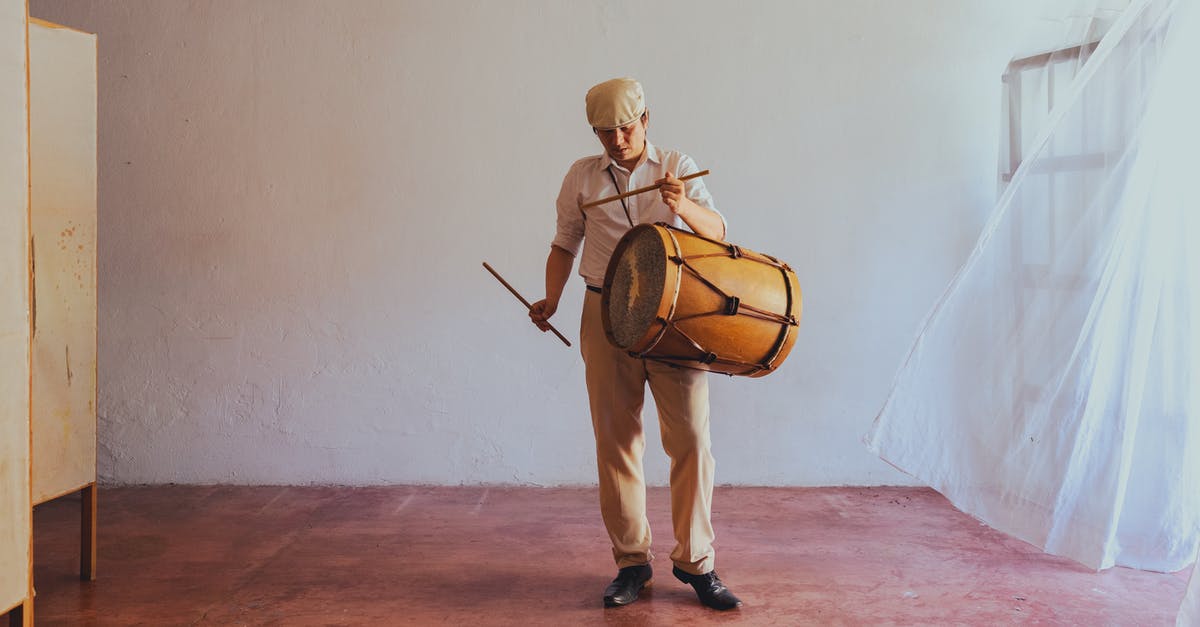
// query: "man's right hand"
[[541, 311]]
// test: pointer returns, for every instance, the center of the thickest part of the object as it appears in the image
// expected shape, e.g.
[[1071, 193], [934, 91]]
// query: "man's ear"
[[646, 118]]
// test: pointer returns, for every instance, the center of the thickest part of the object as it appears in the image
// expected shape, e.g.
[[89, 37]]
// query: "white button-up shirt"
[[600, 228]]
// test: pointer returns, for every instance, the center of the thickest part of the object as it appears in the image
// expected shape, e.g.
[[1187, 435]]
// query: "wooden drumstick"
[[640, 190], [522, 299]]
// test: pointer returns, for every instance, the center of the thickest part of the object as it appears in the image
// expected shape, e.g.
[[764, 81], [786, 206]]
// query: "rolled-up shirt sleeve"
[[697, 191], [568, 234]]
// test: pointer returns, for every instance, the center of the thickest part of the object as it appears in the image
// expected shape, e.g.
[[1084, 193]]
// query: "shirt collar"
[[651, 155]]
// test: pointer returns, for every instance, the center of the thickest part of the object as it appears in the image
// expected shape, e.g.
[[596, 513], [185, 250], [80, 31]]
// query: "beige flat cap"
[[615, 103]]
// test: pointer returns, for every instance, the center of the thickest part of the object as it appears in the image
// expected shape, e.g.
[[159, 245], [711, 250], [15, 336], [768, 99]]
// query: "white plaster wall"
[[295, 198]]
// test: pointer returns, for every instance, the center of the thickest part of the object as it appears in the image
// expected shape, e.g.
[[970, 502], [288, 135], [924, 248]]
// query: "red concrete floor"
[[172, 555]]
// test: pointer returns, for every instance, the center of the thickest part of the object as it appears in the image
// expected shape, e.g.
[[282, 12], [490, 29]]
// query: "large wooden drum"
[[678, 298]]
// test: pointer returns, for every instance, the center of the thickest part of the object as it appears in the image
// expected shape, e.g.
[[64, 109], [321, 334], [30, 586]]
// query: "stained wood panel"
[[63, 221], [14, 310]]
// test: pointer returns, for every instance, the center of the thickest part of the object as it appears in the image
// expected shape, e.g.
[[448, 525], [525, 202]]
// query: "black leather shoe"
[[625, 588], [709, 588]]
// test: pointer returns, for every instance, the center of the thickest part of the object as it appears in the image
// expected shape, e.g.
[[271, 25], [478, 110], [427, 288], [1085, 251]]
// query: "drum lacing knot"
[[735, 252], [708, 358], [677, 259], [731, 305]]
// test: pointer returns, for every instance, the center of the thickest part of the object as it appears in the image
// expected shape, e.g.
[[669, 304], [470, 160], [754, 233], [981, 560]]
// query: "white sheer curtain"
[[1054, 390], [1189, 610]]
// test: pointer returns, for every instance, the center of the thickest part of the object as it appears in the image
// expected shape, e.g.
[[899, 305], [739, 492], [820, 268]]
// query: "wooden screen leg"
[[87, 534]]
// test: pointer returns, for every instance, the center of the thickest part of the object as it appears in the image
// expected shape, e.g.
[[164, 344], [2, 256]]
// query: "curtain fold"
[[1053, 391]]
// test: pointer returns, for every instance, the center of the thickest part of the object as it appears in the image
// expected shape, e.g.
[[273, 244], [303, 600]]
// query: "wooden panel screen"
[[63, 221], [14, 312]]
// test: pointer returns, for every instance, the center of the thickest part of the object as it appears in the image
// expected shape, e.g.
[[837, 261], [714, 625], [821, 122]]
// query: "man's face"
[[625, 144]]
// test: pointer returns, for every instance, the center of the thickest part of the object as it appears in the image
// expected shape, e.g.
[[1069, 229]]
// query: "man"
[[616, 382]]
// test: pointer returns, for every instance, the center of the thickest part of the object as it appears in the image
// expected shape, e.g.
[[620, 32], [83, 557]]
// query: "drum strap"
[[623, 205]]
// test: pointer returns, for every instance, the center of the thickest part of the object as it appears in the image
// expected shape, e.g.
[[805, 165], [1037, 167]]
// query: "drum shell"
[[694, 308]]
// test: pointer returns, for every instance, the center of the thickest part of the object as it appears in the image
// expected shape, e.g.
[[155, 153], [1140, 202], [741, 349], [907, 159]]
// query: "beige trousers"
[[616, 389]]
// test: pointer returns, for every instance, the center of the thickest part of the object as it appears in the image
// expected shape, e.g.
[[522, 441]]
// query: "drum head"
[[634, 285]]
